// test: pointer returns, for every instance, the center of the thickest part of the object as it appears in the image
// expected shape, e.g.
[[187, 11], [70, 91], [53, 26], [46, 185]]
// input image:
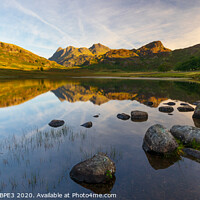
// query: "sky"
[[41, 26]]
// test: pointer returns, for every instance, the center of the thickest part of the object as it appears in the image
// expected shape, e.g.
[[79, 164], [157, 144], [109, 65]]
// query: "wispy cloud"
[[33, 14], [115, 23]]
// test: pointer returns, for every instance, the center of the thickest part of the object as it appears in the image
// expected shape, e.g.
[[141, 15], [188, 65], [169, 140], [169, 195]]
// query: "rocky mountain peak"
[[99, 49], [153, 47], [59, 49]]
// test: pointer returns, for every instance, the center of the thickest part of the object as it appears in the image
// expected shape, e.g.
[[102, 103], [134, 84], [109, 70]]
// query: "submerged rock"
[[192, 152], [56, 123], [196, 112], [87, 125], [186, 108], [160, 162], [98, 169], [170, 103], [196, 103], [196, 122], [187, 134], [139, 115], [159, 140], [123, 116], [166, 109], [184, 104], [99, 188]]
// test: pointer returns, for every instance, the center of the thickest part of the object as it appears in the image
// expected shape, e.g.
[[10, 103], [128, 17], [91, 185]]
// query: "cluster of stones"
[[160, 140], [169, 109], [136, 115], [57, 123]]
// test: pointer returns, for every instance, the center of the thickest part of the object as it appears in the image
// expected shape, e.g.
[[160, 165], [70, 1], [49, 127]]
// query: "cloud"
[[115, 23], [29, 12]]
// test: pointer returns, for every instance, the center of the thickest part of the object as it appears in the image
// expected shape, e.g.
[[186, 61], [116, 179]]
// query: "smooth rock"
[[184, 104], [196, 112], [187, 134], [166, 109], [170, 103], [185, 108], [192, 152], [139, 115], [123, 116], [56, 123], [159, 140], [98, 169], [87, 125]]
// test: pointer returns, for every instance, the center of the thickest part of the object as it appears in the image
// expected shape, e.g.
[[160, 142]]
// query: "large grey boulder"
[[159, 140], [187, 134], [197, 112], [98, 169]]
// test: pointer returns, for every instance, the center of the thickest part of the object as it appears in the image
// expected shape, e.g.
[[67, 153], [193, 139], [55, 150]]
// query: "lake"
[[37, 158]]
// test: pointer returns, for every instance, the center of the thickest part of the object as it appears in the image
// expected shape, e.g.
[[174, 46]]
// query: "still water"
[[36, 158]]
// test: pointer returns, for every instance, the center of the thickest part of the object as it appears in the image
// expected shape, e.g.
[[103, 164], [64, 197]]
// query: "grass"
[[194, 145], [81, 72], [41, 149]]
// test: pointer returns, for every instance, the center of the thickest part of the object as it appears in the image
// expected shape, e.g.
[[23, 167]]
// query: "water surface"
[[37, 158]]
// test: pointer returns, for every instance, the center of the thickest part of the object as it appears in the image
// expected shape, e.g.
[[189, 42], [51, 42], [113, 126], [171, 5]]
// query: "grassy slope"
[[14, 57]]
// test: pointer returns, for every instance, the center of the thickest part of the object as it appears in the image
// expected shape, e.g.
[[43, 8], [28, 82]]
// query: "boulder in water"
[[98, 169], [56, 123]]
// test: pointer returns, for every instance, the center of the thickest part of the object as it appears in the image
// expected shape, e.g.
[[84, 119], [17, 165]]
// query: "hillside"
[[15, 57], [150, 57]]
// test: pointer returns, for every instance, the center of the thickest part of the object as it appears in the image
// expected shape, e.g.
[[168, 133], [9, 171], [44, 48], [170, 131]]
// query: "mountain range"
[[151, 57], [146, 58]]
